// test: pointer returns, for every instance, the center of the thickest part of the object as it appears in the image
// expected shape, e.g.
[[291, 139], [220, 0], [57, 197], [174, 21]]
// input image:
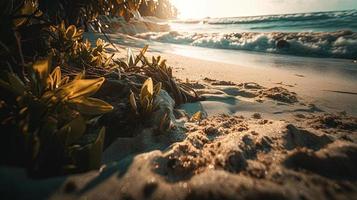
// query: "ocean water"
[[320, 34]]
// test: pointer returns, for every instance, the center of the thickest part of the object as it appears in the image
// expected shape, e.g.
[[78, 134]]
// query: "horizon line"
[[242, 16]]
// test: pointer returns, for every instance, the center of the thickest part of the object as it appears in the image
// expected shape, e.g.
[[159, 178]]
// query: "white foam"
[[340, 44]]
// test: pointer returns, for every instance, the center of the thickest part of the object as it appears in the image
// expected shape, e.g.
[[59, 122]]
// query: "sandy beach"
[[330, 91], [178, 100], [271, 133], [315, 80]]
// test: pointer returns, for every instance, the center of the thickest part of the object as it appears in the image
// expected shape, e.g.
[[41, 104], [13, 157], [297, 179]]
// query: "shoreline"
[[330, 91], [332, 88]]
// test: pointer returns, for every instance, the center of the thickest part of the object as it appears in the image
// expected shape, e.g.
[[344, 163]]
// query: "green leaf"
[[89, 157], [14, 84], [72, 131]]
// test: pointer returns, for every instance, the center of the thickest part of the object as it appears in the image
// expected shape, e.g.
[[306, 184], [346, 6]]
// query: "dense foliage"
[[50, 123]]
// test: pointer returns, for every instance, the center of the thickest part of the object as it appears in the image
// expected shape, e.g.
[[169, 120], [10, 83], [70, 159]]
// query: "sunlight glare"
[[195, 9], [191, 9]]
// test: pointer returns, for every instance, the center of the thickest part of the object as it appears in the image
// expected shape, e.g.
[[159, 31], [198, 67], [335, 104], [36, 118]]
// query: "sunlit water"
[[325, 41], [301, 22], [316, 48], [324, 34]]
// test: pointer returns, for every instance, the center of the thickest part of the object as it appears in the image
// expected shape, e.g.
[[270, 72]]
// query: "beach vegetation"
[[52, 113], [44, 120], [197, 117], [145, 104], [159, 72]]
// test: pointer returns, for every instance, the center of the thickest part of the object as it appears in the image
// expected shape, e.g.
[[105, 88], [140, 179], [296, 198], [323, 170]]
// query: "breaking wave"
[[322, 21], [339, 44], [349, 15]]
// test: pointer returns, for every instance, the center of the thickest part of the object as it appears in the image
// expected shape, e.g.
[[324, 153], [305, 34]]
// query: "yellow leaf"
[[142, 53], [55, 78], [28, 8], [147, 90], [78, 34], [157, 88], [87, 44], [41, 68], [197, 116], [80, 75], [163, 64], [39, 13], [80, 88], [133, 101], [147, 104], [158, 59], [64, 80], [92, 106], [62, 26], [71, 32], [99, 42], [40, 72]]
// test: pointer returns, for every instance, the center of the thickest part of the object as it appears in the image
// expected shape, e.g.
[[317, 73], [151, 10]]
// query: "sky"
[[235, 8]]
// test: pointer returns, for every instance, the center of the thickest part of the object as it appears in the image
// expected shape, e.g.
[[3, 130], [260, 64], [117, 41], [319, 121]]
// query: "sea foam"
[[339, 44]]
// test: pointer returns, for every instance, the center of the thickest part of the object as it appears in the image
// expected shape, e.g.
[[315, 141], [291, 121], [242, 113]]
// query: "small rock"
[[300, 116], [257, 116], [235, 162], [247, 140], [211, 130], [282, 44]]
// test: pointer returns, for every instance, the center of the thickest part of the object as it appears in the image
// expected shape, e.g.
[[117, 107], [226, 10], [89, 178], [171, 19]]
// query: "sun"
[[191, 9]]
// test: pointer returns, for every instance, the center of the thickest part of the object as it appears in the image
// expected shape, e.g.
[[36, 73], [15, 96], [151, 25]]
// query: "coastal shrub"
[[49, 121], [158, 71], [146, 99], [43, 121], [69, 48], [25, 26]]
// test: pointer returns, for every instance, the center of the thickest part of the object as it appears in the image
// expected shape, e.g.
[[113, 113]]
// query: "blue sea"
[[320, 34]]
